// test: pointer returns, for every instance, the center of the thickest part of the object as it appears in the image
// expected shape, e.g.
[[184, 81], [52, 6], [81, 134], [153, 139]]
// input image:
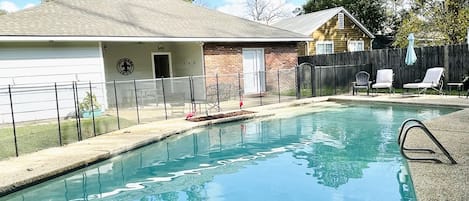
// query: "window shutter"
[[341, 20]]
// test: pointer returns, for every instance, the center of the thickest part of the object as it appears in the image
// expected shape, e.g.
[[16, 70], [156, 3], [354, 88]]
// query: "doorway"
[[253, 70], [162, 65]]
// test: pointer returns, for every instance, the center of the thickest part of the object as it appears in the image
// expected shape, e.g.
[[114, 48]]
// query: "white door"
[[253, 70]]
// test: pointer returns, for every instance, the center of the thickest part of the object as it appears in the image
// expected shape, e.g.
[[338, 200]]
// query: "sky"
[[233, 7]]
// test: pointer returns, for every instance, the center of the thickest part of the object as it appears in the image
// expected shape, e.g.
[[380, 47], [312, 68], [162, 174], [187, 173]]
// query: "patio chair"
[[433, 80], [362, 81], [212, 99], [176, 102], [384, 79]]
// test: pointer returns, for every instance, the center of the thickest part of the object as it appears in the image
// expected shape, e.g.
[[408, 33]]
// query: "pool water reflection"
[[348, 152]]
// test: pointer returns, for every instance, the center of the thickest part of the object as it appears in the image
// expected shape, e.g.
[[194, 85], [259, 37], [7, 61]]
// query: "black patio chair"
[[362, 81]]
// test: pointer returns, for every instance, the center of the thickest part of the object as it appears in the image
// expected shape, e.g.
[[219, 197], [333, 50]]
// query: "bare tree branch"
[[266, 11]]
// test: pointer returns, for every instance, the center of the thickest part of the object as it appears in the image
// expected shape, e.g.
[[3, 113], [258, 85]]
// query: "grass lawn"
[[36, 136]]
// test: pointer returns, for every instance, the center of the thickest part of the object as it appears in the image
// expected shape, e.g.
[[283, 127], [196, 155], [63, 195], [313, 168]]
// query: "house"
[[332, 30], [105, 40]]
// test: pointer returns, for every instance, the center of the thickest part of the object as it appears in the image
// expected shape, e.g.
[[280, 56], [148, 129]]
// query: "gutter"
[[144, 39]]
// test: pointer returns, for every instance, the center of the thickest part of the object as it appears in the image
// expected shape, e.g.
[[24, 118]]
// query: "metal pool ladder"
[[403, 131]]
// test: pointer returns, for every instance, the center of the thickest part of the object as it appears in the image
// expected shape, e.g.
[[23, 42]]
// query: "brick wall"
[[227, 58]]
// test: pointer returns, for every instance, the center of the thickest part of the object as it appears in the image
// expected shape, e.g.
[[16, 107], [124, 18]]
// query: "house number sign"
[[125, 66]]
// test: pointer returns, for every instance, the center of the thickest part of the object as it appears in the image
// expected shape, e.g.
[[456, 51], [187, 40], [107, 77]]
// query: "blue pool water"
[[347, 152]]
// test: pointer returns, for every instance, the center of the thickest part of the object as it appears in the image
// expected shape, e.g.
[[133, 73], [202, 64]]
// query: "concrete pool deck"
[[432, 181]]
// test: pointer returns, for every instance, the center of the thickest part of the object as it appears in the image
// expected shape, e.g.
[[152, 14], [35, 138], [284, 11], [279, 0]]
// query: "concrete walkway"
[[431, 181]]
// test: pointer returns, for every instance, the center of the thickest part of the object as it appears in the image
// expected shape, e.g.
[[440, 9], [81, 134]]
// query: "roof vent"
[[341, 20]]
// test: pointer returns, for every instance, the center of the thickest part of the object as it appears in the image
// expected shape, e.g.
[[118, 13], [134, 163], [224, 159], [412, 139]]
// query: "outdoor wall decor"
[[125, 66]]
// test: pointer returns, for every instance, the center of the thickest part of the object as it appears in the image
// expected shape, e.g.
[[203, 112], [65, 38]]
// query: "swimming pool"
[[344, 152]]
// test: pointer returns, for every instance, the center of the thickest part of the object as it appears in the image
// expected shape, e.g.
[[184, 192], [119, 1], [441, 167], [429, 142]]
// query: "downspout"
[[203, 57], [101, 58]]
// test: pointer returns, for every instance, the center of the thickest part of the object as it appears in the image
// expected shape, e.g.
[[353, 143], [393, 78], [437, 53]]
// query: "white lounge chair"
[[433, 80], [384, 79]]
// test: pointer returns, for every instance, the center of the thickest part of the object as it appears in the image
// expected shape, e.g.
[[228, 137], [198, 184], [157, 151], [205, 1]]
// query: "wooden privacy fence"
[[454, 58], [326, 80]]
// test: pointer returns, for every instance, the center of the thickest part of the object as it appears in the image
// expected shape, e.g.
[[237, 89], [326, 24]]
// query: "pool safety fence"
[[39, 116]]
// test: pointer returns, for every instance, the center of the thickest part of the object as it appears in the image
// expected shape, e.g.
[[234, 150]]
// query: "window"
[[324, 47], [341, 20], [356, 45]]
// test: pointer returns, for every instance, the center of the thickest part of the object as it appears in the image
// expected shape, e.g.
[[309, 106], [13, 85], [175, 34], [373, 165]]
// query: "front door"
[[162, 64], [253, 70]]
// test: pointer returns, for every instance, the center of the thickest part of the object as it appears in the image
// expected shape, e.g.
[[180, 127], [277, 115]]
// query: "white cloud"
[[239, 8], [12, 7], [234, 7], [8, 6], [29, 5]]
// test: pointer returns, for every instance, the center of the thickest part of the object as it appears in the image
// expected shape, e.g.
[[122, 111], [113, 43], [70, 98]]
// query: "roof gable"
[[309, 23], [136, 18]]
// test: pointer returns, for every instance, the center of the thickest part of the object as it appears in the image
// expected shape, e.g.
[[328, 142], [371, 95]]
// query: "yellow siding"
[[330, 32]]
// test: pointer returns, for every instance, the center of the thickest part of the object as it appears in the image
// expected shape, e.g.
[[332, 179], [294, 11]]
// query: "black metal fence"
[[39, 116]]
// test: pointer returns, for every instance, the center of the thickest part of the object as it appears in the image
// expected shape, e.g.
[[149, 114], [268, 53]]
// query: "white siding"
[[39, 65]]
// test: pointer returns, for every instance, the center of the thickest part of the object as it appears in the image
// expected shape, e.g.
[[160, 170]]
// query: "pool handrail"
[[403, 131]]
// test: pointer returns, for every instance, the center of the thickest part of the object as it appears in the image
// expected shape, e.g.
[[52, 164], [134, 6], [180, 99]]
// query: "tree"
[[197, 2], [411, 24], [267, 11], [438, 22], [371, 13], [2, 12]]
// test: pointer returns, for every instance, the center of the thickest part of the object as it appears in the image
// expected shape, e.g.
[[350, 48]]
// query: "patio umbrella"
[[410, 57]]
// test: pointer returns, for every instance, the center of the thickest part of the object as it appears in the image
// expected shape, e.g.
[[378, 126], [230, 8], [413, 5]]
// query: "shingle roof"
[[308, 23], [132, 18]]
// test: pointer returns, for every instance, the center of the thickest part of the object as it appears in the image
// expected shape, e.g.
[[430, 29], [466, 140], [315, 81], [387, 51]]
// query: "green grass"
[[36, 136]]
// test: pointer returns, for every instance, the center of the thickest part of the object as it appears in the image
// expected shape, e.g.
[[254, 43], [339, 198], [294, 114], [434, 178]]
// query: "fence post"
[[13, 120], [335, 79], [278, 84], [320, 80], [92, 110], [260, 86], [75, 107], [77, 110], [192, 95], [117, 105], [164, 99], [298, 82], [58, 113], [136, 101], [239, 90], [218, 92], [446, 63], [313, 81]]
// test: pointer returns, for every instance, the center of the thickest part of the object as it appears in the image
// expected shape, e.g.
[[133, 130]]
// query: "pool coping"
[[31, 169], [102, 155]]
